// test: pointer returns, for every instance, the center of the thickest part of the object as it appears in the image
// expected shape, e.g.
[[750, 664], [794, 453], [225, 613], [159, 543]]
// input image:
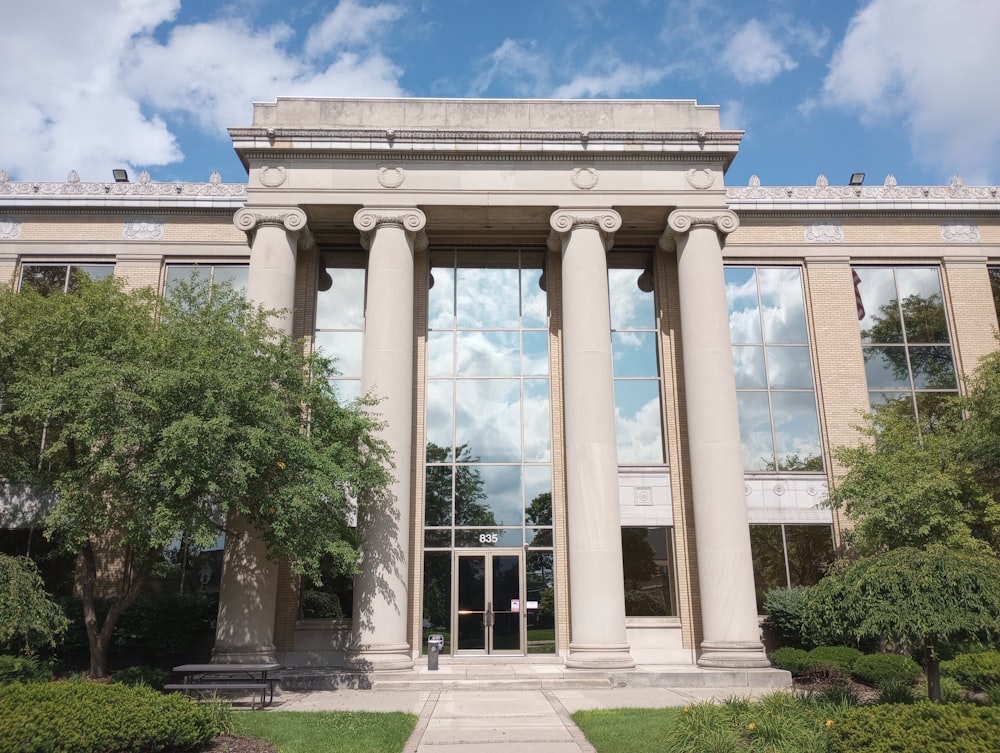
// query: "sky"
[[831, 87]]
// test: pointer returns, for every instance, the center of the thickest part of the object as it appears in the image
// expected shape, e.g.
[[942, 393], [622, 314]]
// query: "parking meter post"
[[435, 643]]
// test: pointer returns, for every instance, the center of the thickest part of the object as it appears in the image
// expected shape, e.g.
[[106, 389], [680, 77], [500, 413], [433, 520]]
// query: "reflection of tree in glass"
[[924, 322], [468, 492], [539, 513], [639, 564], [437, 590], [794, 462]]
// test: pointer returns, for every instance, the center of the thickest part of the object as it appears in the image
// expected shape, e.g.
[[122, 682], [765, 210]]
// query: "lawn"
[[627, 730], [328, 731]]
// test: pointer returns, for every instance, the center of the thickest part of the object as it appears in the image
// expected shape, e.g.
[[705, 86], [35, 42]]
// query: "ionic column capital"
[[369, 219], [248, 219], [606, 221], [723, 221]]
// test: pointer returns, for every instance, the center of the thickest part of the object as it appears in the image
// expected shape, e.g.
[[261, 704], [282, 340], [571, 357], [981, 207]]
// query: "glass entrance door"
[[489, 606]]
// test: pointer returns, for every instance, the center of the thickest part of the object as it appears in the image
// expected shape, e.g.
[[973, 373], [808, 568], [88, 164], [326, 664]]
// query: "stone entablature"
[[143, 193]]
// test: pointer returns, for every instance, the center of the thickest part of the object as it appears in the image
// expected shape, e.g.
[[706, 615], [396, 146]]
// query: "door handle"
[[488, 617]]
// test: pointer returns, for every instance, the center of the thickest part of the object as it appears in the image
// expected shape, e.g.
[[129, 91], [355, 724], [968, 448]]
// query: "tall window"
[[648, 568], [340, 322], [904, 336], [995, 285], [488, 454], [779, 429], [61, 278], [638, 422]]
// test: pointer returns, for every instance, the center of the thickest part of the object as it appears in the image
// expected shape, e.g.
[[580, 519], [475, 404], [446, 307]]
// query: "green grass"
[[328, 731], [627, 730]]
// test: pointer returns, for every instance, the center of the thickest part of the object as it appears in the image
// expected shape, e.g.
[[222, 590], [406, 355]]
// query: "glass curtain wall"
[[904, 337], [487, 417], [779, 429]]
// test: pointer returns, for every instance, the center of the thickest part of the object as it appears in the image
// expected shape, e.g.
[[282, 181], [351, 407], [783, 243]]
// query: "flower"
[[752, 725], [829, 723], [686, 709], [281, 464]]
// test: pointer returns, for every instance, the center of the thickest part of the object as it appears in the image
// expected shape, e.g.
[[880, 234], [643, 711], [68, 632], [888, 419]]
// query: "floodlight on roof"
[[857, 179], [121, 176]]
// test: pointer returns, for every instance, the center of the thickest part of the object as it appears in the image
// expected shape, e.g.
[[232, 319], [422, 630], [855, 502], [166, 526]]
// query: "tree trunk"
[[932, 666], [99, 636]]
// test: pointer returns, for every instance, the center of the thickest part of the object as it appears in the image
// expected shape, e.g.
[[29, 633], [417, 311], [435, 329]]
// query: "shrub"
[[895, 691], [926, 727], [84, 717], [792, 659], [877, 669], [23, 669], [777, 722], [785, 608], [151, 677], [840, 658], [974, 671], [321, 605]]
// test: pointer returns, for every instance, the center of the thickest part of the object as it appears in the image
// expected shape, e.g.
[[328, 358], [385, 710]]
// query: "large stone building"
[[611, 383]]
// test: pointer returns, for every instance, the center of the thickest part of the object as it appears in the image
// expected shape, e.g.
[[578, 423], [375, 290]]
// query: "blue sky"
[[906, 87]]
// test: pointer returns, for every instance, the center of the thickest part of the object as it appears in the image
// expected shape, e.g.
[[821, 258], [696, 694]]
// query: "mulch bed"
[[239, 744]]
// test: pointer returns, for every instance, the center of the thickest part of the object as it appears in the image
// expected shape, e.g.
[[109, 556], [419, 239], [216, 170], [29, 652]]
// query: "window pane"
[[44, 279], [535, 358], [487, 298], [488, 418], [781, 302], [789, 368], [634, 354], [499, 502], [438, 495], [637, 421], [877, 288], [346, 390], [755, 431], [631, 308], [488, 354], [748, 364], [437, 597], [768, 561], [345, 348], [796, 431], [441, 299], [744, 310], [533, 303], [237, 277], [648, 566], [810, 553], [537, 425], [441, 353], [438, 417], [343, 305], [886, 367], [932, 367], [923, 307]]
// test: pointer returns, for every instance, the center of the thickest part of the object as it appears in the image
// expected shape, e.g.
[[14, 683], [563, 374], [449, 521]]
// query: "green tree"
[[27, 615], [912, 484], [919, 599], [152, 418]]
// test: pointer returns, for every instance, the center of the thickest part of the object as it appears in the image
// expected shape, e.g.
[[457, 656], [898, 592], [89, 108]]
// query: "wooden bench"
[[202, 679]]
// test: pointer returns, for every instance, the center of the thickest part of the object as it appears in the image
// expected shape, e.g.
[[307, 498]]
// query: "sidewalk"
[[460, 720]]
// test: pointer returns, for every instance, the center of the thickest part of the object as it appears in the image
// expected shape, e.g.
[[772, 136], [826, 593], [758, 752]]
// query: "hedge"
[[879, 669], [86, 717], [925, 727], [974, 671]]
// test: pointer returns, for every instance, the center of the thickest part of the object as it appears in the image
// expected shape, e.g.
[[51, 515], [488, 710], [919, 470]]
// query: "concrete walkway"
[[457, 720]]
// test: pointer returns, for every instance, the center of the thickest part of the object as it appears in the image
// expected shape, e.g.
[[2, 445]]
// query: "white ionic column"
[[379, 638], [725, 567], [597, 589], [248, 592]]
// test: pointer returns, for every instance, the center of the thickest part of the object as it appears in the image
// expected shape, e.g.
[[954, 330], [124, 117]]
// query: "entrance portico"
[[541, 198]]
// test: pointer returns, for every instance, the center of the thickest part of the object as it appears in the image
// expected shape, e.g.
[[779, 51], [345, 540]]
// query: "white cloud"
[[613, 79], [930, 66], [517, 65], [100, 87], [754, 56]]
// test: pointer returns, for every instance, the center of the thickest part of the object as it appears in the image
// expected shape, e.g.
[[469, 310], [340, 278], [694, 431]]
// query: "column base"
[[599, 656], [733, 655], [379, 658], [244, 655]]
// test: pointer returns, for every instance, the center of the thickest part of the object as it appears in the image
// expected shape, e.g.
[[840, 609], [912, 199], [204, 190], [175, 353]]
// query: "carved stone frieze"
[[889, 191], [143, 229], [823, 232], [700, 179], [390, 177], [272, 177], [584, 178], [145, 190], [10, 229], [967, 232]]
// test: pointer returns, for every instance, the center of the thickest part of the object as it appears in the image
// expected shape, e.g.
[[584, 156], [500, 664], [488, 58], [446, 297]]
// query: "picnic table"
[[214, 678]]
